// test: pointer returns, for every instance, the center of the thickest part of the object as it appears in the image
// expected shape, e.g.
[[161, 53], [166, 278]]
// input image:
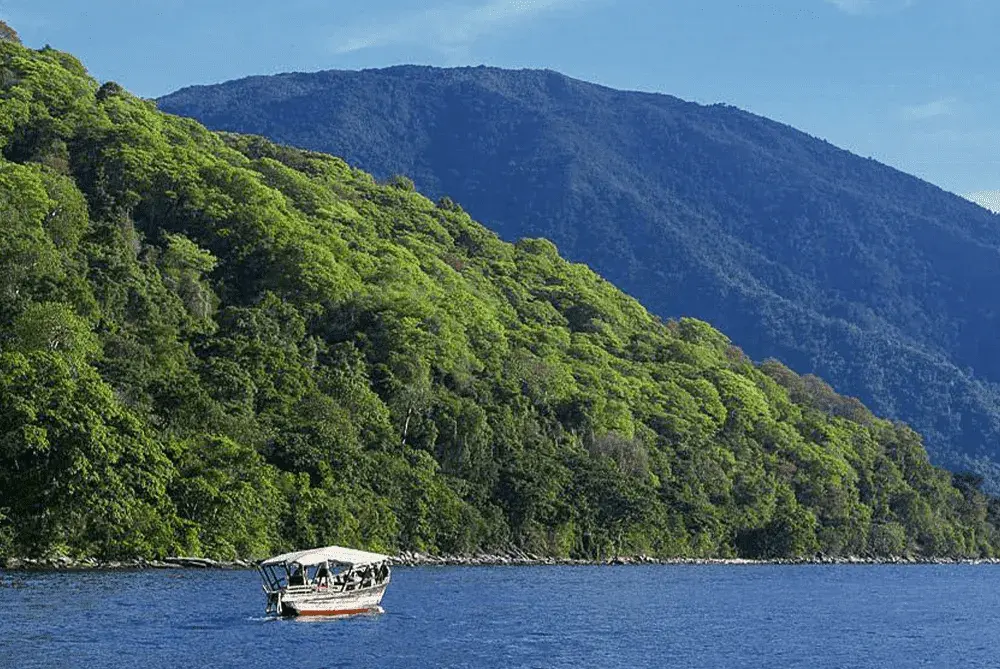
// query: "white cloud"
[[932, 109], [871, 6], [988, 199], [448, 29]]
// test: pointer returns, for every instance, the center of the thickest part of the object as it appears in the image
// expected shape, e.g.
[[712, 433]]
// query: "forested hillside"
[[210, 344], [876, 281]]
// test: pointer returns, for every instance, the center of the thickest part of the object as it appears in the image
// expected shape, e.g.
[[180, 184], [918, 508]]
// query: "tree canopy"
[[212, 344], [8, 34], [835, 264]]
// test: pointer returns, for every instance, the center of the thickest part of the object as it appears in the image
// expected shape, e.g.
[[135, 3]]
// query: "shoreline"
[[509, 559], [411, 559]]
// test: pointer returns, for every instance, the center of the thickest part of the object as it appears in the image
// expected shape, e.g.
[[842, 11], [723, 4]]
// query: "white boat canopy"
[[334, 554]]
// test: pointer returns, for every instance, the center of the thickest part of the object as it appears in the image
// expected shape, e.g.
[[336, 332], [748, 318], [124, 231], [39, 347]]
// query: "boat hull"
[[330, 603]]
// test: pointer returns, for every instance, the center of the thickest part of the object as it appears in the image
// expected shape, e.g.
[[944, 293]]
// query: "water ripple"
[[553, 617]]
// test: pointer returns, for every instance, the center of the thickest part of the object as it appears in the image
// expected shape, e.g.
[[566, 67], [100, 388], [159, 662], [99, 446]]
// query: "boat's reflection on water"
[[373, 614]]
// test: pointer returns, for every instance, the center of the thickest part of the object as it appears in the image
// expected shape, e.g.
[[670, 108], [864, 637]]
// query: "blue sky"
[[908, 82]]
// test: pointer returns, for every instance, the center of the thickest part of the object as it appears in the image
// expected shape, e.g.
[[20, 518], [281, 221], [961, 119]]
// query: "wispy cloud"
[[450, 29], [858, 7], [933, 109], [988, 199]]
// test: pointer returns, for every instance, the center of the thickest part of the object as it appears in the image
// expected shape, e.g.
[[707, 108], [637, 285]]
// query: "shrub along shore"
[[508, 559]]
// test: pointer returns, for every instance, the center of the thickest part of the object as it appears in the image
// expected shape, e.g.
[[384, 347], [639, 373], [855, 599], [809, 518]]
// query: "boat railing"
[[334, 586], [296, 589]]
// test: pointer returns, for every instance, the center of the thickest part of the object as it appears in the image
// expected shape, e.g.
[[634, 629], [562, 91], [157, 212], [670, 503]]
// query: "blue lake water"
[[580, 617]]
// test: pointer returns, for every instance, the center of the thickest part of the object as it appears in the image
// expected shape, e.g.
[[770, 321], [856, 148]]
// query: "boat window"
[[273, 578]]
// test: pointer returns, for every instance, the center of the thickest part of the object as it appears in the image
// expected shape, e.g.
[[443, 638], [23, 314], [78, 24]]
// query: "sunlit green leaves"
[[216, 345]]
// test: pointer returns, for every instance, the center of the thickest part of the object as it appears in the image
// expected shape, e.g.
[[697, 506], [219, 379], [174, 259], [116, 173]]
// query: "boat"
[[328, 581]]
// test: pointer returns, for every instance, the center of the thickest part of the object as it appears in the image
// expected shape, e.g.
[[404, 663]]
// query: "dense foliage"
[[212, 344], [839, 266], [8, 34]]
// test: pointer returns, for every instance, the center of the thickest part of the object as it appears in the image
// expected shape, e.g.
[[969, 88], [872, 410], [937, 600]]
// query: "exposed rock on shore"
[[509, 558], [415, 559], [64, 563]]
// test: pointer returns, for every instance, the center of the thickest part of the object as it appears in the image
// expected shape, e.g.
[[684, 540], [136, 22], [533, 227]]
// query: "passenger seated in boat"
[[353, 580], [298, 576]]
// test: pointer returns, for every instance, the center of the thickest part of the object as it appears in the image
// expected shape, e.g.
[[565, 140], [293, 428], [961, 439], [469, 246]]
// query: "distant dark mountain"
[[877, 281]]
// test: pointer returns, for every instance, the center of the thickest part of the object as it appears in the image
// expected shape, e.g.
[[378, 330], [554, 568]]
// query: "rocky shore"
[[70, 564], [518, 558], [508, 558]]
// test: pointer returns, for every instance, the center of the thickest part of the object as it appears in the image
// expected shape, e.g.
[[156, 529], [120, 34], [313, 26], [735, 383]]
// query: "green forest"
[[214, 345], [878, 282]]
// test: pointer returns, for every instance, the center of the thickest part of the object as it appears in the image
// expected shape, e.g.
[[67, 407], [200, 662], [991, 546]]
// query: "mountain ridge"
[[800, 250]]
